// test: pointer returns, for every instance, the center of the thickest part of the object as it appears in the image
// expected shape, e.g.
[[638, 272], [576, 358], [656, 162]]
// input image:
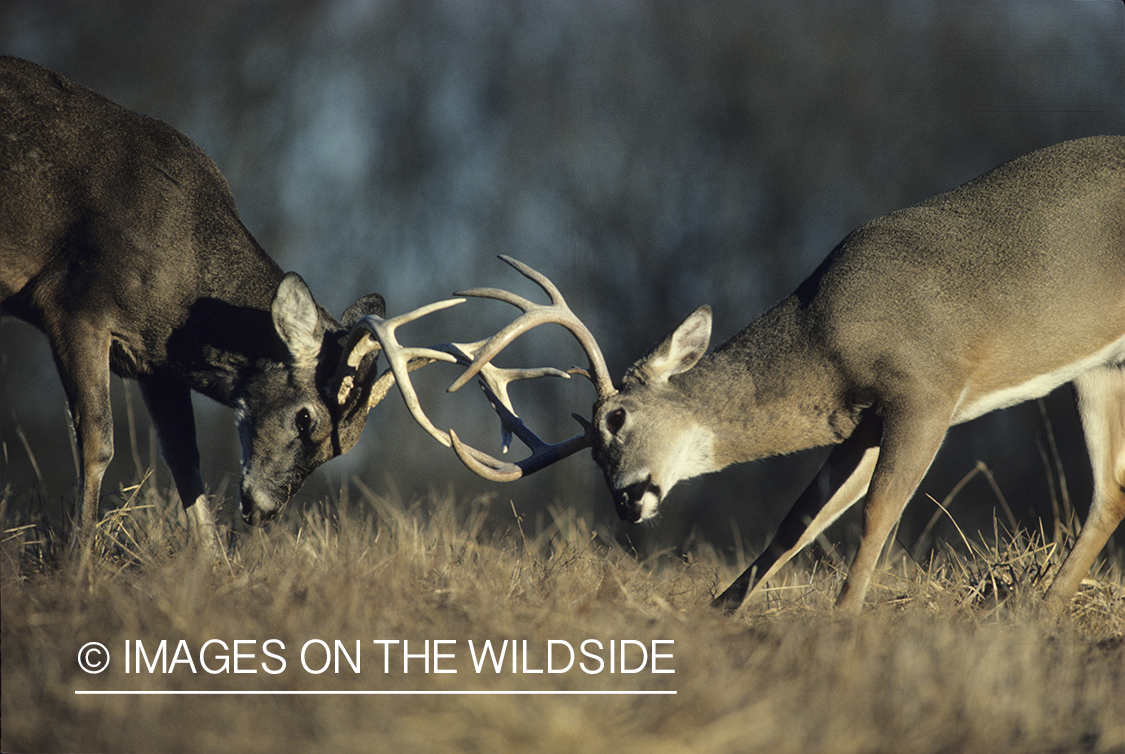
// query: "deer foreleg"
[[841, 481], [169, 405], [911, 439], [83, 363]]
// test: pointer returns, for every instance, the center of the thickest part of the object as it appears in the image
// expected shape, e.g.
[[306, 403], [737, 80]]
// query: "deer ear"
[[372, 303], [297, 319], [680, 350]]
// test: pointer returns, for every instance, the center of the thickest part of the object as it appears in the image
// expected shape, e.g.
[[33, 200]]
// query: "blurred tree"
[[648, 156]]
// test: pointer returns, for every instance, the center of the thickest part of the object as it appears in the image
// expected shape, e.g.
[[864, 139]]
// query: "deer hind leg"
[[1101, 403], [82, 357], [169, 406], [910, 441], [841, 481]]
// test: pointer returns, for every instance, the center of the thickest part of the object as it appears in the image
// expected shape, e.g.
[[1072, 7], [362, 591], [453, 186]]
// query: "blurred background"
[[649, 157]]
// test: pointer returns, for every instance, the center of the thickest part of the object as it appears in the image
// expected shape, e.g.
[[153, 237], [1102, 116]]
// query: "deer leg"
[[82, 359], [910, 441], [1101, 403], [169, 405], [841, 481]]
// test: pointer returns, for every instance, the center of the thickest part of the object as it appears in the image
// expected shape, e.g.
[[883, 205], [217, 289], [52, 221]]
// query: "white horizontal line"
[[286, 692]]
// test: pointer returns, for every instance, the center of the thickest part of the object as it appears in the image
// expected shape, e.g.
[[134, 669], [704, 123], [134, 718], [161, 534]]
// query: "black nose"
[[628, 500], [253, 514], [250, 515], [259, 517]]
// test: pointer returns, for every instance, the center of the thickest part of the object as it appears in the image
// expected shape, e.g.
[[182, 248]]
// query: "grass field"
[[948, 656]]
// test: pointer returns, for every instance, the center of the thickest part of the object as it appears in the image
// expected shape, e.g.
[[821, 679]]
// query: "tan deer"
[[988, 295]]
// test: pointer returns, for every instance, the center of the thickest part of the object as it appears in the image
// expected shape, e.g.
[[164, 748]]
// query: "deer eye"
[[615, 421], [304, 421]]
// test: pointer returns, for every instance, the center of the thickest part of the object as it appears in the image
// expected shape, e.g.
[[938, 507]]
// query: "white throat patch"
[[690, 455]]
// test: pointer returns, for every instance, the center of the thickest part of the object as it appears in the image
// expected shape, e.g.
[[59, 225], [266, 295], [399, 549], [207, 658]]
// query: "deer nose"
[[258, 517], [628, 500], [253, 512], [250, 514]]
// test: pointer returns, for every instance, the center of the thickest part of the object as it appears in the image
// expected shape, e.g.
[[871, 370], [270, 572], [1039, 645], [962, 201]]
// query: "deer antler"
[[543, 454], [367, 335], [371, 333], [533, 316]]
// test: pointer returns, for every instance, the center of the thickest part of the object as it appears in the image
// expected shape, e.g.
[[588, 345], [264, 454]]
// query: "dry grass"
[[948, 657]]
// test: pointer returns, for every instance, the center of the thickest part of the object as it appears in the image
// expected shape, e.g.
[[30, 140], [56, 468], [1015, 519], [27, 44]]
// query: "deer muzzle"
[[257, 509], [630, 500]]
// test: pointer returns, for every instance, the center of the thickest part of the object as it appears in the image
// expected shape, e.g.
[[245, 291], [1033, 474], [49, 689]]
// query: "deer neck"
[[770, 389], [228, 333]]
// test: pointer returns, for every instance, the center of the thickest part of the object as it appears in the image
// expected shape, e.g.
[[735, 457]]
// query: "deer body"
[[120, 240], [982, 297]]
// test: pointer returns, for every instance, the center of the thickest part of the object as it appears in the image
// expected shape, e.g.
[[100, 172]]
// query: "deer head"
[[647, 437], [289, 420]]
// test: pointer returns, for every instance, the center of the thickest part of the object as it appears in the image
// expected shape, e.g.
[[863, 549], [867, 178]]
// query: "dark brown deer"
[[120, 240], [985, 296]]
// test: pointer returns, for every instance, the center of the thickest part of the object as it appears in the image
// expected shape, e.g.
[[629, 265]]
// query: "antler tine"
[[383, 385], [498, 379], [535, 276], [494, 470], [400, 359], [500, 295], [543, 454], [534, 315], [362, 340]]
